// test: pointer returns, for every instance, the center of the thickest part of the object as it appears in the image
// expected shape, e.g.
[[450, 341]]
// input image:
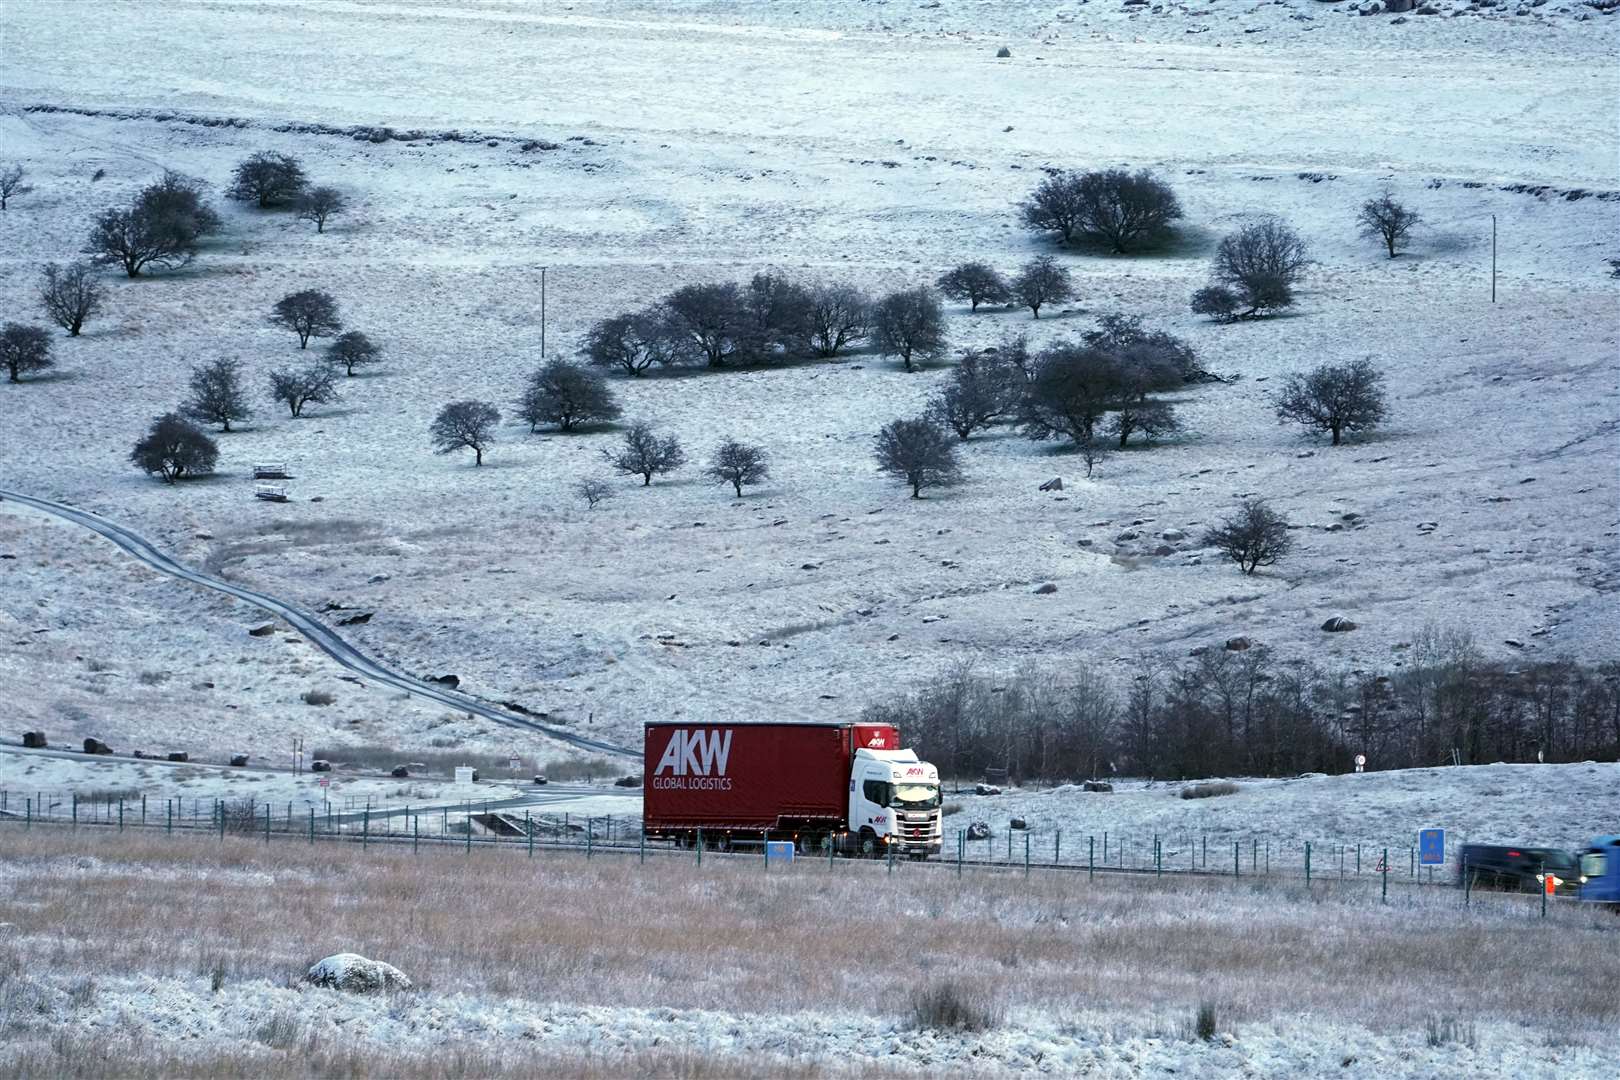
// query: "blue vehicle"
[[1600, 871]]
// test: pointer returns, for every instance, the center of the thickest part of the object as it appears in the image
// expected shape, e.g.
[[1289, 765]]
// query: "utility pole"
[[543, 290], [298, 754], [1493, 258]]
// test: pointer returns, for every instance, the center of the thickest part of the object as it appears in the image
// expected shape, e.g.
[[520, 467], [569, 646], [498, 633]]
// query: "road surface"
[[318, 633]]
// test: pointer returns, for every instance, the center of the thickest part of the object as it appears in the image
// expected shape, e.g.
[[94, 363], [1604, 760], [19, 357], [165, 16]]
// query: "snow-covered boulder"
[[353, 972]]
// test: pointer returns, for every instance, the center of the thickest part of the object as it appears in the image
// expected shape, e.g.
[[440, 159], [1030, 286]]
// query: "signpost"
[[778, 851], [1361, 763], [1432, 849]]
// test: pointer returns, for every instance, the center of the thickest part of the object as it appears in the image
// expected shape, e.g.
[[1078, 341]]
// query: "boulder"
[[1054, 484], [1338, 625], [1045, 590], [239, 760], [179, 755], [262, 631], [1097, 785], [96, 746], [452, 681], [1395, 7], [978, 831], [1127, 536], [356, 974], [34, 740], [1173, 535], [1237, 644], [399, 772], [1003, 53], [1017, 823]]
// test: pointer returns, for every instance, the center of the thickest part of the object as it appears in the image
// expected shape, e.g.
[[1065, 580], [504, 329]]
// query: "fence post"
[[1026, 854], [143, 808], [528, 830], [168, 806], [120, 815], [1307, 862], [312, 826], [1009, 844], [699, 844], [590, 837], [1384, 893], [1358, 858], [1158, 857], [1091, 857], [468, 849], [1057, 848], [961, 850], [29, 821], [1411, 862], [267, 823], [76, 808], [365, 825], [641, 847], [1543, 884], [888, 849], [1206, 850], [1254, 856], [1105, 849], [1468, 885], [1236, 858]]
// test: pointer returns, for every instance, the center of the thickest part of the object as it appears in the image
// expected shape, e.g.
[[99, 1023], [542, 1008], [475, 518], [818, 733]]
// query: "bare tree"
[[1253, 537], [320, 204], [11, 183], [982, 390], [909, 324], [977, 283], [920, 452], [24, 349], [592, 490], [1093, 451], [1335, 398], [1218, 302], [217, 396], [1260, 263], [353, 349], [161, 227], [1073, 387], [465, 425], [1055, 206], [307, 313], [566, 395], [839, 316], [775, 318], [313, 385], [737, 464], [1388, 220], [1139, 413], [1042, 281], [643, 453], [1125, 209], [635, 342], [174, 448], [268, 178], [71, 294], [710, 317]]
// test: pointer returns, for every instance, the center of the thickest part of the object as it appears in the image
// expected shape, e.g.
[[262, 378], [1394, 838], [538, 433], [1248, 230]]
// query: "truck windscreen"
[[916, 796]]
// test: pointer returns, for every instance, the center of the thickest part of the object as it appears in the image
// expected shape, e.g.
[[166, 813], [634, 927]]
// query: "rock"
[[1017, 823], [376, 579], [978, 831], [1237, 644], [1097, 785], [262, 631], [179, 755], [1371, 9], [452, 681], [1398, 20], [1045, 590], [1173, 535], [356, 974], [34, 740], [1338, 625], [810, 566], [96, 746], [1164, 549], [986, 789], [1085, 541], [1054, 484], [399, 772], [1003, 53], [1127, 536], [356, 620], [1350, 516], [1396, 7], [1514, 643], [238, 760]]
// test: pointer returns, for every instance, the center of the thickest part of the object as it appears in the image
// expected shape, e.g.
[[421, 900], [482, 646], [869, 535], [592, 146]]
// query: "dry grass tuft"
[[947, 1006]]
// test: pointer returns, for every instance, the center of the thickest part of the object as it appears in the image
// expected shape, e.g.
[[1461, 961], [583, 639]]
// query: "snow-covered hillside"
[[877, 143]]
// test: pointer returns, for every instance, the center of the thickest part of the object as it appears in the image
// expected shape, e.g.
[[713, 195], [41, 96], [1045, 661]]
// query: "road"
[[318, 633]]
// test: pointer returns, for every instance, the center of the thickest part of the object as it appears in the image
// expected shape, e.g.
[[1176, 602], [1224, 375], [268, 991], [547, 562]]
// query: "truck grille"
[[920, 829]]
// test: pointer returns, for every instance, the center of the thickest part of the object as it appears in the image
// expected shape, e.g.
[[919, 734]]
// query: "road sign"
[[1361, 762], [779, 851], [1432, 847], [514, 763], [325, 781]]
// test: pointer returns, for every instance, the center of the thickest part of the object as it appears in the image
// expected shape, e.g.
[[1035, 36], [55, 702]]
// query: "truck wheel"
[[868, 843]]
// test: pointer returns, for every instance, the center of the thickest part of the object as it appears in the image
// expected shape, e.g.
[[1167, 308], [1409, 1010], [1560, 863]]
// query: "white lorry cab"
[[894, 804]]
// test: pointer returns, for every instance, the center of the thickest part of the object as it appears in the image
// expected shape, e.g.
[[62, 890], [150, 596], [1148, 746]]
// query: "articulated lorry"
[[844, 785]]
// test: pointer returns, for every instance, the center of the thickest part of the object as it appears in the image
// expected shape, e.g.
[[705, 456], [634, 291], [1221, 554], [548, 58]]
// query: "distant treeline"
[[1247, 713]]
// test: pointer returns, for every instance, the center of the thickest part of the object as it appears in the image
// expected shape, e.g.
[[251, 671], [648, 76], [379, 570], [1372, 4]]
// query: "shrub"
[[566, 395], [909, 324], [977, 283], [1260, 263], [1443, 1030], [1204, 1022], [1209, 790], [1335, 398], [1216, 301], [738, 464], [1253, 537], [947, 1006], [593, 491], [161, 227], [920, 452], [268, 178], [317, 697], [307, 313], [175, 448], [24, 349], [70, 295], [1042, 281], [643, 453], [465, 425], [217, 396], [1122, 208]]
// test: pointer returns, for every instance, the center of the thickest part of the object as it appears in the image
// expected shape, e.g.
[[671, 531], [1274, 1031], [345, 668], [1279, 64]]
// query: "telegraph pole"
[[1493, 258], [298, 754], [543, 289]]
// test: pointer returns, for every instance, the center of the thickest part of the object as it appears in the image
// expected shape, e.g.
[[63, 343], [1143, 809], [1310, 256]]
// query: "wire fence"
[[522, 825]]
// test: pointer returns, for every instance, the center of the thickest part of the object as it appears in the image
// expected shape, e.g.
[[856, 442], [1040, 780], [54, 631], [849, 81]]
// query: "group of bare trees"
[[273, 181], [1244, 712], [1039, 282], [771, 320]]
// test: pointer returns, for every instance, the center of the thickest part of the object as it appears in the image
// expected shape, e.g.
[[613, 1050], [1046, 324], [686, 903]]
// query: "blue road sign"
[[1432, 847], [778, 851]]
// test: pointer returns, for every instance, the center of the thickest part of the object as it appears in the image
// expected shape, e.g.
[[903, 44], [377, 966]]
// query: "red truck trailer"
[[745, 783]]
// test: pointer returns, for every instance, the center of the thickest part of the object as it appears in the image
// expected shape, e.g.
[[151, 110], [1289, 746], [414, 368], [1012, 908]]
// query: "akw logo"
[[695, 753]]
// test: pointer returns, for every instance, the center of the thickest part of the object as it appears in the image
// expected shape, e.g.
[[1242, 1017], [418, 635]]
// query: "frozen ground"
[[873, 142]]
